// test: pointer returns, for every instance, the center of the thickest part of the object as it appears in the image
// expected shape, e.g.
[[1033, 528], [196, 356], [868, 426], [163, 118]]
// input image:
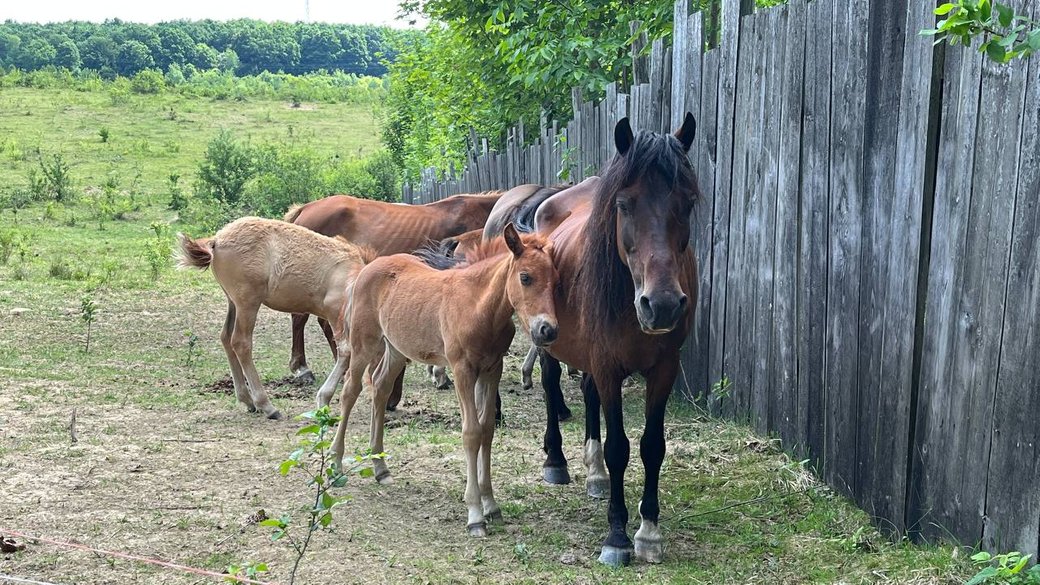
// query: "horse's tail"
[[195, 253], [294, 212], [367, 253]]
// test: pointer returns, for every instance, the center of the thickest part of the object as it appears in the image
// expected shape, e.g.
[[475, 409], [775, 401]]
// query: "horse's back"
[[558, 207]]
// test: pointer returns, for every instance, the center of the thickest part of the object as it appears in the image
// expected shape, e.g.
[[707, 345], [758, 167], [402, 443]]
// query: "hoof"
[[649, 552], [276, 415], [250, 408], [598, 488], [564, 415], [556, 475], [385, 478], [303, 378], [495, 517], [613, 556], [445, 385], [391, 407], [528, 384], [477, 529]]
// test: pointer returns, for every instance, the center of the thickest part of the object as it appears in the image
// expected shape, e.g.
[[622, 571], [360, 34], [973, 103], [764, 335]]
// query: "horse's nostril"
[[682, 302], [644, 304]]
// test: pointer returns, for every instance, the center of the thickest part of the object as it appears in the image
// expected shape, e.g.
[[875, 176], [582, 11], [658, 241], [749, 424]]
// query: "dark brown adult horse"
[[629, 285], [386, 228]]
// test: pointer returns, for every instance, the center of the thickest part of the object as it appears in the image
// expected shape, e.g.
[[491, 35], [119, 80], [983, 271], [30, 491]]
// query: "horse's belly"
[[416, 334]]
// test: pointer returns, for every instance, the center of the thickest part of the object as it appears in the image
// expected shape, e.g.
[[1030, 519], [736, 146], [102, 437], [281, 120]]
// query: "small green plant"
[[1005, 569], [8, 244], [568, 160], [87, 310], [57, 177], [177, 199], [60, 269], [1005, 35], [249, 570], [193, 348], [720, 389], [313, 457], [103, 134], [157, 249], [51, 210]]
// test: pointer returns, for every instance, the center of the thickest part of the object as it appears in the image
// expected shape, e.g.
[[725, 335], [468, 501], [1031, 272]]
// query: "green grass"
[[171, 468]]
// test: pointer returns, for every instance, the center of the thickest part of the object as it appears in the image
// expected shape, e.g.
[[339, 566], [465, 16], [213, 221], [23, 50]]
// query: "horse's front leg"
[[555, 468], [617, 547], [597, 482], [649, 541], [472, 436], [298, 360]]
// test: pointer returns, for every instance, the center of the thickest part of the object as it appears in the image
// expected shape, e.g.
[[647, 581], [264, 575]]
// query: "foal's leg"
[[486, 400], [298, 359], [617, 548], [351, 391], [440, 377], [597, 482], [649, 541], [242, 343], [472, 435], [329, 387], [390, 367], [555, 468], [241, 390], [330, 336]]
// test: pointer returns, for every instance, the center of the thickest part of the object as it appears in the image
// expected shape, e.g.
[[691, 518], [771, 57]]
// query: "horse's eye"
[[525, 279], [622, 207]]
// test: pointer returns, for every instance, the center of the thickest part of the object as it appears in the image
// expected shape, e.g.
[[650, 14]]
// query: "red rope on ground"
[[130, 557]]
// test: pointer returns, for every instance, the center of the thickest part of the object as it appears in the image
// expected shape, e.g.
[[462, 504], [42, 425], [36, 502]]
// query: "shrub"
[[57, 178], [374, 177], [225, 169], [284, 176], [177, 199], [103, 134], [147, 81], [157, 249]]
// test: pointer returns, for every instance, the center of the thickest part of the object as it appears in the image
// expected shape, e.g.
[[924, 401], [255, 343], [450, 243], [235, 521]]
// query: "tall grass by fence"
[[868, 248]]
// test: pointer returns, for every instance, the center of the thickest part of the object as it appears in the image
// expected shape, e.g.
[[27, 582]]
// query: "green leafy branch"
[[1006, 35], [313, 457], [1008, 568]]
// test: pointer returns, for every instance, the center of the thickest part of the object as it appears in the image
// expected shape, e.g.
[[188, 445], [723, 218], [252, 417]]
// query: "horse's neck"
[[489, 280]]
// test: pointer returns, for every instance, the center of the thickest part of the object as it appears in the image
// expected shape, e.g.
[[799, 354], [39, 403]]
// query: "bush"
[[53, 181], [148, 81], [224, 170], [285, 176], [374, 177]]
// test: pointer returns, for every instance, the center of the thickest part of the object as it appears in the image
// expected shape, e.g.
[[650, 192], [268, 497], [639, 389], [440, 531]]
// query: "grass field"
[[166, 465]]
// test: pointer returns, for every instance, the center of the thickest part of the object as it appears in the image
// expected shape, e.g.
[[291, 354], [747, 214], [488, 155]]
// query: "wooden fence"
[[868, 246]]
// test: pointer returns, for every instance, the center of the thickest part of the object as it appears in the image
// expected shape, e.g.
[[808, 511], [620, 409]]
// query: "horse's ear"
[[686, 133], [512, 237], [623, 137]]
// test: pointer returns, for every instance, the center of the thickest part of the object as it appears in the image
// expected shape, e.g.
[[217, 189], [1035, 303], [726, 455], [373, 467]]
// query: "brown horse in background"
[[403, 309], [625, 305], [517, 206], [386, 228], [285, 267]]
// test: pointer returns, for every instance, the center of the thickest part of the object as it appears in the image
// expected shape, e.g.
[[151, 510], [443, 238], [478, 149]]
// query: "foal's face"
[[532, 282], [653, 232]]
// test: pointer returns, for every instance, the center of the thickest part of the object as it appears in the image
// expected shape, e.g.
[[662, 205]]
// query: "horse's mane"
[[603, 286], [436, 254], [524, 217]]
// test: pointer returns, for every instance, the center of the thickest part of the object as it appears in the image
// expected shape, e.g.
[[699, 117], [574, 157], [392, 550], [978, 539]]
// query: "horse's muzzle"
[[544, 330], [660, 313]]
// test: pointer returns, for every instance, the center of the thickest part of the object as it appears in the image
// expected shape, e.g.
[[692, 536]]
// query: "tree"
[[9, 43], [98, 52], [66, 53], [319, 48], [34, 54], [133, 57], [1005, 35]]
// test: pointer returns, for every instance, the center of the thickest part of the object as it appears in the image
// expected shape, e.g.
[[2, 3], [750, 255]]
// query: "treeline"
[[242, 47]]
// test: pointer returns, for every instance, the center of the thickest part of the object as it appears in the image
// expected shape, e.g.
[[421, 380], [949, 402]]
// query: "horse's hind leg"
[[298, 360], [527, 370], [395, 394], [597, 482], [330, 335], [486, 400], [329, 387], [390, 367], [242, 344], [241, 390]]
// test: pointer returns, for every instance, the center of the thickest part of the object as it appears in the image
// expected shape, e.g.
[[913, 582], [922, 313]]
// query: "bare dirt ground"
[[166, 465]]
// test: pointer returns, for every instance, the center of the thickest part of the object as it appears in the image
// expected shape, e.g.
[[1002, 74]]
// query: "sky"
[[381, 12]]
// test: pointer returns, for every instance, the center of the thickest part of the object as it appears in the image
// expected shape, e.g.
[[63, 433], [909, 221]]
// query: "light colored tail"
[[293, 213], [195, 253]]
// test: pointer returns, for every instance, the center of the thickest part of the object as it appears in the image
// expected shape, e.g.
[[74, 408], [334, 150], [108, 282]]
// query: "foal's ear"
[[686, 133], [512, 237], [623, 136]]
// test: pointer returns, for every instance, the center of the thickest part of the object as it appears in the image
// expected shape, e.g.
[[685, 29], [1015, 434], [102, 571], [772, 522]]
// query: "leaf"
[[995, 51], [982, 576], [1005, 14], [944, 9], [1034, 40], [1020, 565], [272, 522], [286, 466], [327, 501], [309, 430], [981, 557], [366, 472]]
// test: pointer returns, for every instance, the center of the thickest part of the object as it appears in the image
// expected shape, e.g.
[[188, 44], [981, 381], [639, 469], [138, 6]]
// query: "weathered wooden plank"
[[944, 404], [1012, 497], [883, 406], [640, 64], [787, 410], [762, 221], [725, 133], [684, 52], [666, 92], [656, 98], [739, 321], [849, 48]]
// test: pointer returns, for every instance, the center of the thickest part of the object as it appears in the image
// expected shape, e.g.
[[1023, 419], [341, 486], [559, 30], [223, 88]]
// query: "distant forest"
[[245, 47]]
